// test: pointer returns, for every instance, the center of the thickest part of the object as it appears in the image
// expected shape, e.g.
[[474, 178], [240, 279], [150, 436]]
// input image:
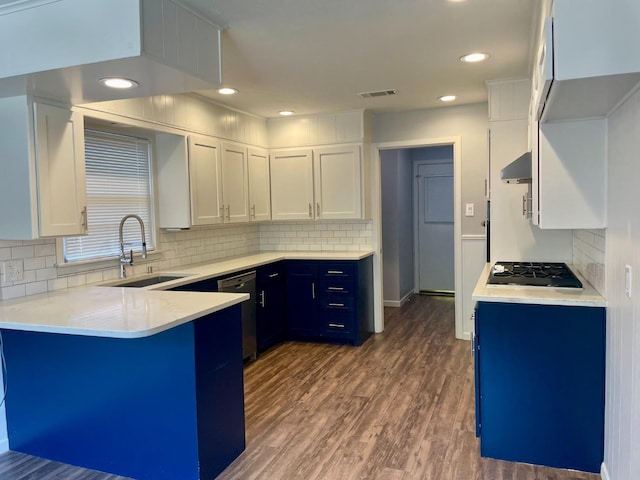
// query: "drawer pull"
[[273, 275], [336, 325], [336, 289], [335, 272], [336, 304]]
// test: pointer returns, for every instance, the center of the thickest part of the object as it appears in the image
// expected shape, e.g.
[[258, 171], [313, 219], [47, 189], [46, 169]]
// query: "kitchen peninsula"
[[145, 384], [141, 382]]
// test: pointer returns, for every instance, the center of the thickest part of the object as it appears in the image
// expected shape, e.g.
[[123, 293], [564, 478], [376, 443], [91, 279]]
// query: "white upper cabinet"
[[42, 186], [235, 183], [338, 178], [292, 185], [189, 180], [259, 185], [596, 60], [570, 189], [59, 135], [205, 180], [320, 184]]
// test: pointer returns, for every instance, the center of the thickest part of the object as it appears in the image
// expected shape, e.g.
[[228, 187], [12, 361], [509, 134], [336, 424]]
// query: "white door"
[[205, 180], [235, 183], [435, 227], [59, 139], [259, 185], [292, 185], [338, 191]]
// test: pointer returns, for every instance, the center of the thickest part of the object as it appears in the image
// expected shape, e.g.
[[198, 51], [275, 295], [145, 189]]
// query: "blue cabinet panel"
[[165, 407], [271, 298], [115, 405], [540, 374]]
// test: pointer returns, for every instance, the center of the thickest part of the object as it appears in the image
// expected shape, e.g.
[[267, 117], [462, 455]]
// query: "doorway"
[[380, 254], [417, 193], [434, 220]]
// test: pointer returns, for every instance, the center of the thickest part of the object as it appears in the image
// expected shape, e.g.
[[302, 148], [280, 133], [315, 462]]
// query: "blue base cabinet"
[[271, 314], [540, 377], [330, 300], [165, 407]]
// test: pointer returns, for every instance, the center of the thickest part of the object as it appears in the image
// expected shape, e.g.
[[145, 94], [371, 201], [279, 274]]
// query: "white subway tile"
[[44, 250], [17, 291], [22, 252], [10, 243], [57, 284], [46, 274], [35, 288], [34, 263], [77, 280]]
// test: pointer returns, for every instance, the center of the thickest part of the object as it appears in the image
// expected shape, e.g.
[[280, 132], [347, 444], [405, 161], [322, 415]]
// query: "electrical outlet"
[[12, 271]]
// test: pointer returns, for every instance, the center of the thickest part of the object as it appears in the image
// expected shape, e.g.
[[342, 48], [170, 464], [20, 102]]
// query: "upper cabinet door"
[[205, 179], [338, 182], [59, 141], [235, 183], [259, 185], [292, 185]]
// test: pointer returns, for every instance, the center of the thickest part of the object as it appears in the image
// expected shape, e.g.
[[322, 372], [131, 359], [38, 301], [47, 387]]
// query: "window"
[[118, 183]]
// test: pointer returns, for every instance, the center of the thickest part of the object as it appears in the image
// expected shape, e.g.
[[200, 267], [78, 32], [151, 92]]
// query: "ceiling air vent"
[[379, 93]]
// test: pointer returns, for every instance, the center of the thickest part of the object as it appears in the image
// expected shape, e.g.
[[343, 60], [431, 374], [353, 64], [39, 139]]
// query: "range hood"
[[518, 171]]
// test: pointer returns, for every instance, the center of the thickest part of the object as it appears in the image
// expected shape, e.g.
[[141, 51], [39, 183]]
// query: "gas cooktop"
[[535, 274]]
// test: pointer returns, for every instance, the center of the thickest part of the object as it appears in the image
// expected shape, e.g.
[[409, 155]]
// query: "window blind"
[[118, 183]]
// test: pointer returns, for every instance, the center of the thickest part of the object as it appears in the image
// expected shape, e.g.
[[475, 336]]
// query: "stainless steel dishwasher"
[[244, 283]]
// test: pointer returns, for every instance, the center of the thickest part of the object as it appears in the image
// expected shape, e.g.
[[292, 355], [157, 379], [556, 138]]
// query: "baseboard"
[[604, 473], [400, 303]]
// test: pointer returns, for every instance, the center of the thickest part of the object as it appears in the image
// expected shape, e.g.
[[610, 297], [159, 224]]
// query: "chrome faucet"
[[123, 256]]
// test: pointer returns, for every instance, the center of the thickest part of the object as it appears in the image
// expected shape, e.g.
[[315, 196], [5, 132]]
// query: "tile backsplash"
[[316, 236], [589, 248], [38, 260]]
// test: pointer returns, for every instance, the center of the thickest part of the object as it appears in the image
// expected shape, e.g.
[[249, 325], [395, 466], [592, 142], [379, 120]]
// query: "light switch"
[[469, 210], [628, 280]]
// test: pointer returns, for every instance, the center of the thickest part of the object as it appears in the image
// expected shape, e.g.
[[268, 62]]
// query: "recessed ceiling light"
[[116, 82], [286, 113], [227, 91], [474, 57], [447, 98]]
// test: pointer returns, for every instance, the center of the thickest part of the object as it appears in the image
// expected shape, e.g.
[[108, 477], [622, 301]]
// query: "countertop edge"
[[588, 297]]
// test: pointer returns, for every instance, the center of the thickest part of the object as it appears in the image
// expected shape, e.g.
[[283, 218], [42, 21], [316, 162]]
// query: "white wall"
[[622, 403], [397, 225], [468, 122]]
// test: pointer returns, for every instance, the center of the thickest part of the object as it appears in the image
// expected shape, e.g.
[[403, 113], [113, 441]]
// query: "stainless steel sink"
[[144, 281]]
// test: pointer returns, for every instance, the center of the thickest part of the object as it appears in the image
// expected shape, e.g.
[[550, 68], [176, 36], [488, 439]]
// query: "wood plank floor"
[[401, 407], [398, 408]]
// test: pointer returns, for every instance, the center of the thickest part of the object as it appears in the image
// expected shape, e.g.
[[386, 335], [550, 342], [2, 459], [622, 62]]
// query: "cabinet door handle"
[[273, 275], [318, 209], [336, 325], [524, 206], [336, 289], [83, 218], [336, 304], [313, 289], [229, 212], [310, 211], [335, 272], [253, 211], [263, 298]]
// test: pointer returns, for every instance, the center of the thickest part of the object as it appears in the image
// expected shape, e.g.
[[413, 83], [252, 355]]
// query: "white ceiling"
[[314, 56]]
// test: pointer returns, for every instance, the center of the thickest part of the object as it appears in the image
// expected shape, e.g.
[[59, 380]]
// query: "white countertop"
[[216, 269], [118, 312], [587, 297]]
